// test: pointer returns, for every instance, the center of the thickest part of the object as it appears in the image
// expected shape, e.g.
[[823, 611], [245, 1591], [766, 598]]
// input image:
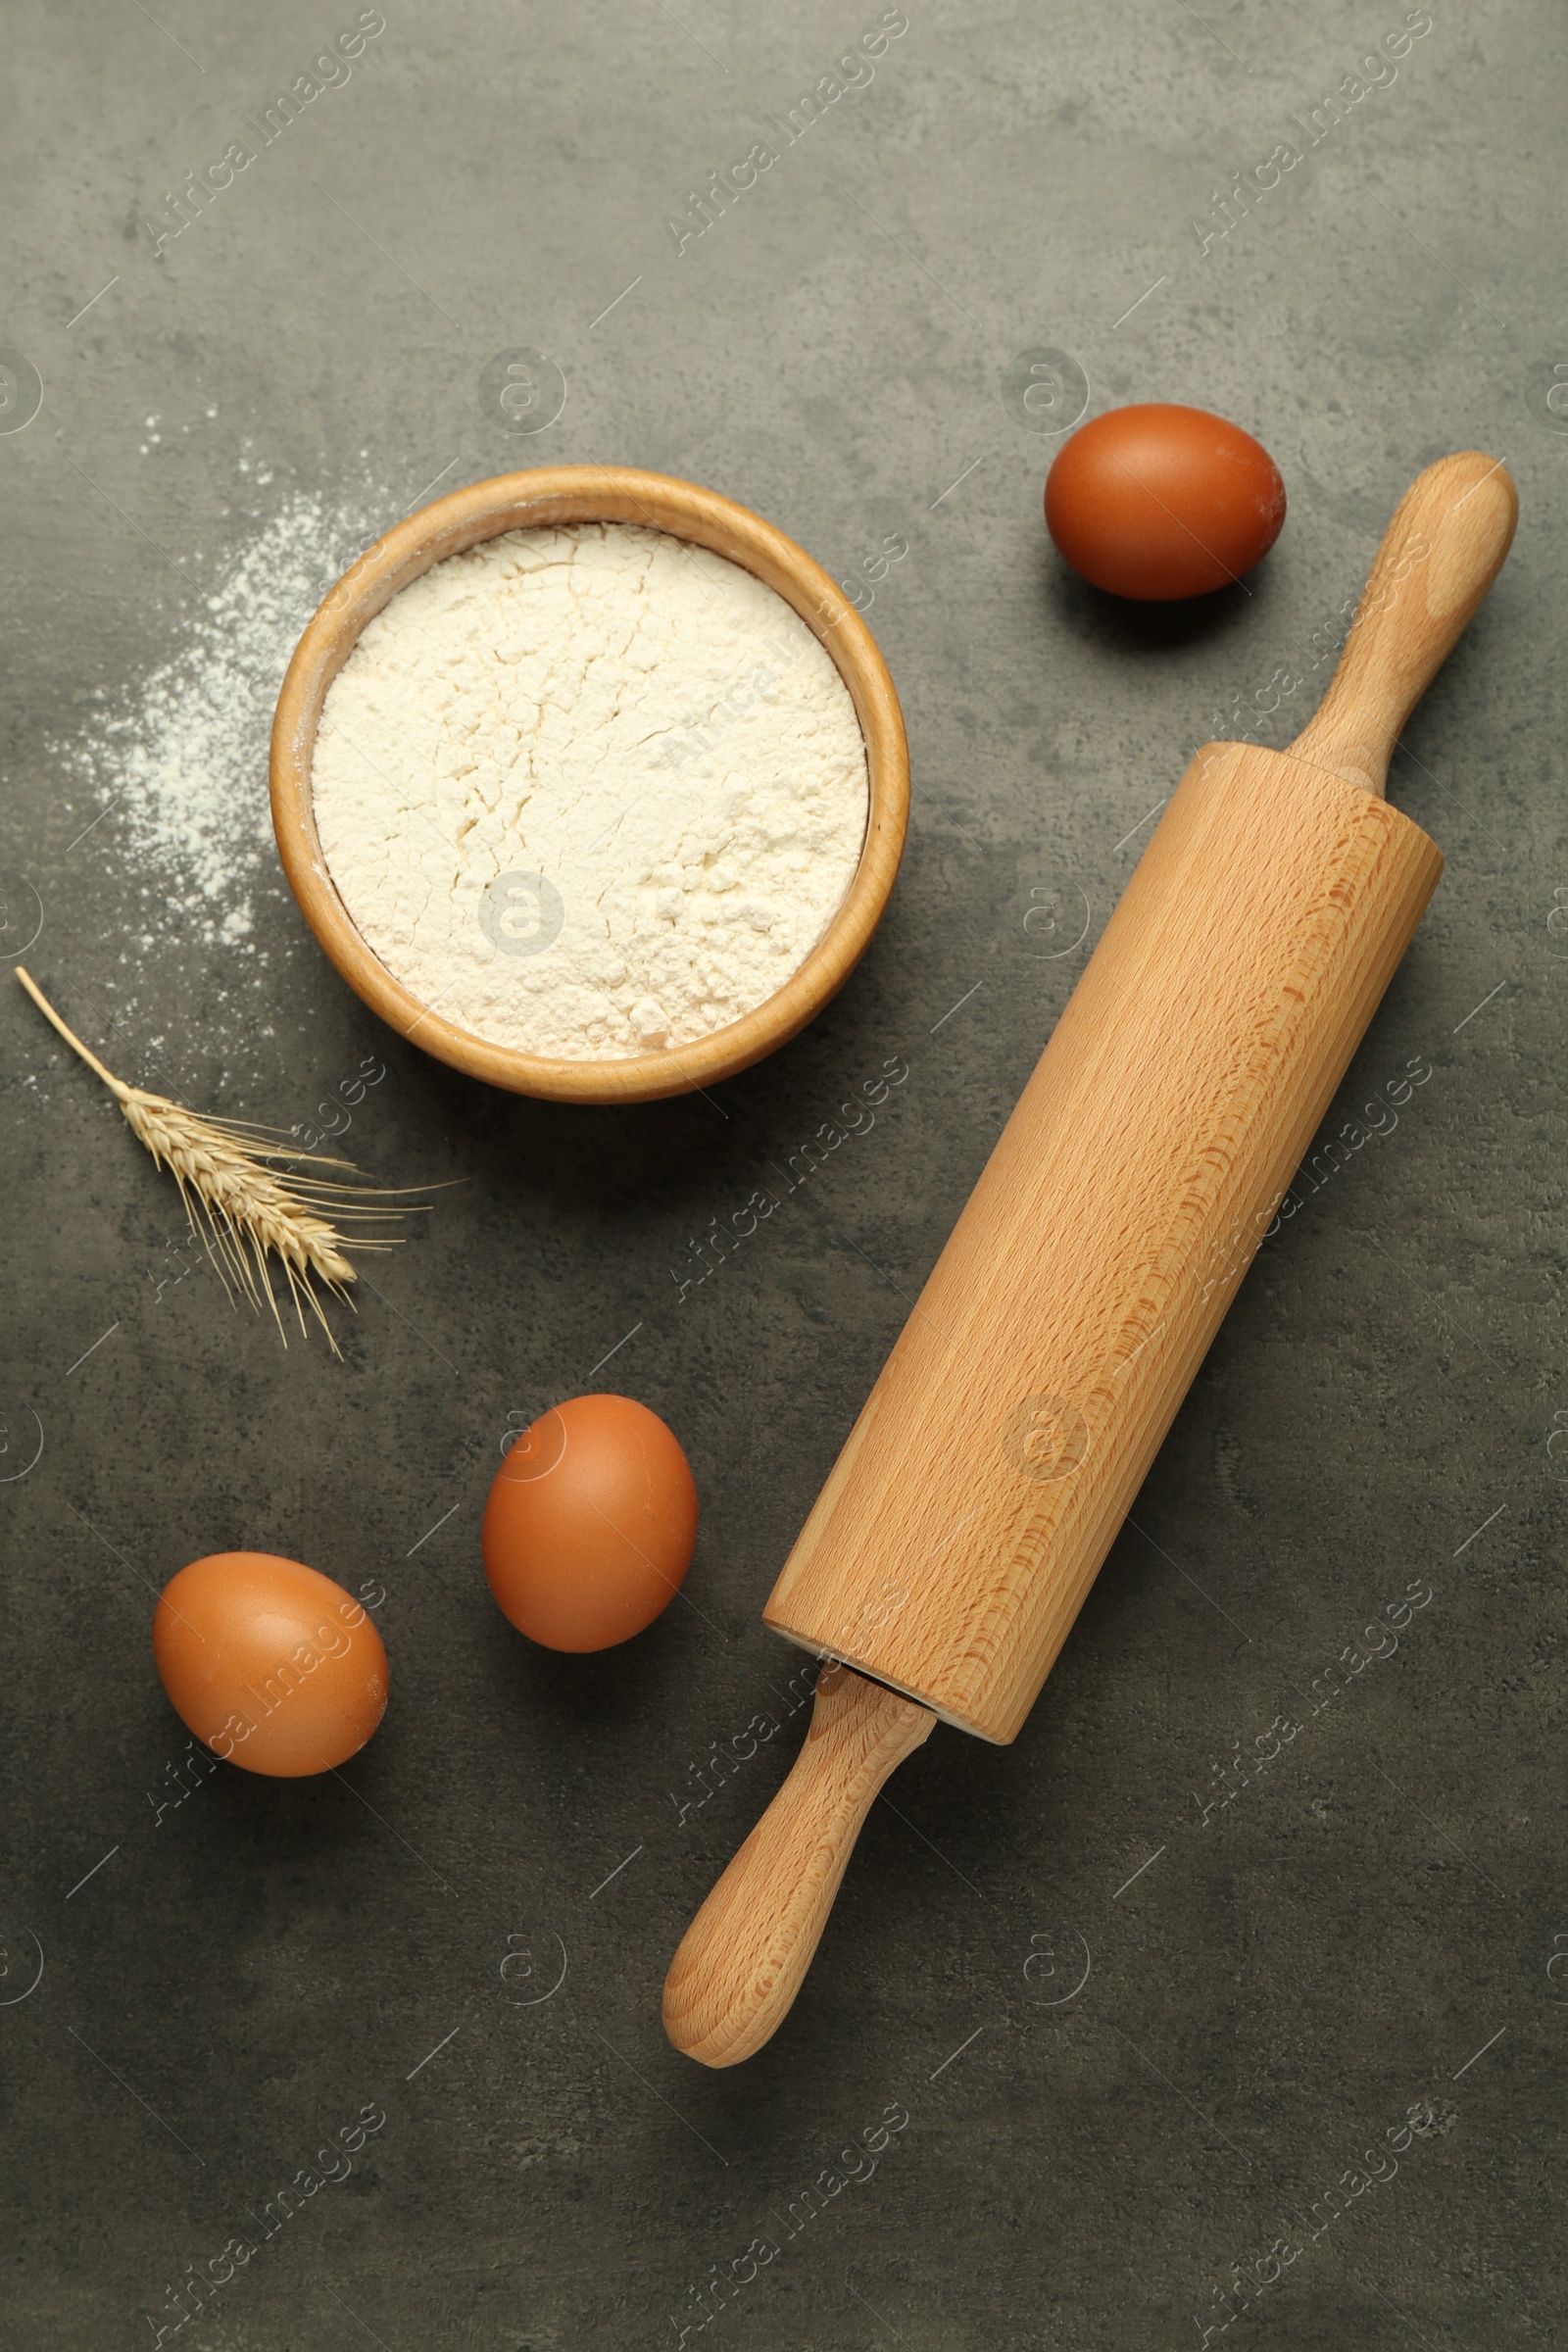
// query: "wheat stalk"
[[241, 1207]]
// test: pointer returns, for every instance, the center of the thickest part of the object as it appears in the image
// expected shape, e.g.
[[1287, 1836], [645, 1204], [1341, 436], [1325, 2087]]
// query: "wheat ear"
[[241, 1207]]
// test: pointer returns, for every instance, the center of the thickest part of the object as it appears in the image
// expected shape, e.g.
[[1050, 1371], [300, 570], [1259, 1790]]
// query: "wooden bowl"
[[566, 494]]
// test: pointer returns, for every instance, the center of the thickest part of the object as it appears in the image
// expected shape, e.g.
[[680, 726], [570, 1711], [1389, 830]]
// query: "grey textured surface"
[[1108, 2160]]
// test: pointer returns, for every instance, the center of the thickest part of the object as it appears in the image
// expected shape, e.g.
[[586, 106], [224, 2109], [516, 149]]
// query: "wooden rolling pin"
[[1003, 1445]]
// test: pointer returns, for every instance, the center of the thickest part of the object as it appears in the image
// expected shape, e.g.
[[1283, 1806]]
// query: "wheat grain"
[[244, 1209]]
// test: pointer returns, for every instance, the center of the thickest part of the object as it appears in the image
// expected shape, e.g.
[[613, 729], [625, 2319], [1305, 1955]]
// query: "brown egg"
[[1156, 501], [274, 1665], [590, 1525]]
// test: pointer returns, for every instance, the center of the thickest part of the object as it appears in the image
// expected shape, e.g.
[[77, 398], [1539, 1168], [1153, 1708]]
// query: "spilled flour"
[[590, 791], [181, 762]]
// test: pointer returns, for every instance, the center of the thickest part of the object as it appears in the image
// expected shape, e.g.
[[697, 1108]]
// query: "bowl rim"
[[540, 497]]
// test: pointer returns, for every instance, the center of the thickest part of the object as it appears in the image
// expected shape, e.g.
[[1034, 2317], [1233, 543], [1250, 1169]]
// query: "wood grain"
[[744, 1957], [553, 496]]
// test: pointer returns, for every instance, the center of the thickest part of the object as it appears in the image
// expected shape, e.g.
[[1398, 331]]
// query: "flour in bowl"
[[590, 791]]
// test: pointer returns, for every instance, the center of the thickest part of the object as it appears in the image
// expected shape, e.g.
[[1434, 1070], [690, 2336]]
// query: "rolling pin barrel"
[[1059, 1330], [1003, 1442]]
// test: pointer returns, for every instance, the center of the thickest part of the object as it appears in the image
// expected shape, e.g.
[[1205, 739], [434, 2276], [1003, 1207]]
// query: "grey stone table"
[[1171, 2018]]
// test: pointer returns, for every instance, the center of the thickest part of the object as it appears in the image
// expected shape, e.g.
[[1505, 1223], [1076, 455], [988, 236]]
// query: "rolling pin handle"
[[744, 1957], [1440, 553]]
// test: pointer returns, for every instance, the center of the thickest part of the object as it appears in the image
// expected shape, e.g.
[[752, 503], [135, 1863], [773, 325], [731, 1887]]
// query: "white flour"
[[591, 791], [178, 768]]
